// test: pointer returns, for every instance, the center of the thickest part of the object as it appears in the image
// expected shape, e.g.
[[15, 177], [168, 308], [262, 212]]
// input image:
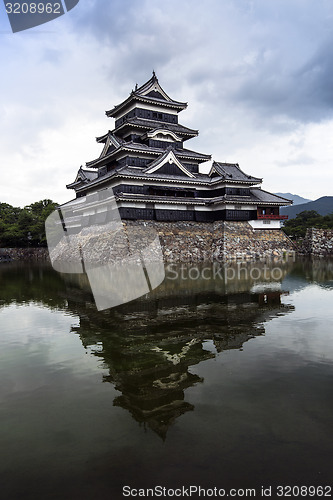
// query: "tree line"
[[24, 227], [296, 228]]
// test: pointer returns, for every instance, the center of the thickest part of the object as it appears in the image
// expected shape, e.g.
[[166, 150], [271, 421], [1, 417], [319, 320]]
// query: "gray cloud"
[[272, 58], [303, 93], [298, 159]]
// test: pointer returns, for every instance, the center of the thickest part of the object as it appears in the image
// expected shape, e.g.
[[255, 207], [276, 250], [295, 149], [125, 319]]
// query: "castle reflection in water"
[[150, 345]]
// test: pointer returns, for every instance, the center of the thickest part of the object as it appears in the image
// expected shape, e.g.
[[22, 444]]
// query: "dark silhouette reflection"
[[149, 349], [150, 346]]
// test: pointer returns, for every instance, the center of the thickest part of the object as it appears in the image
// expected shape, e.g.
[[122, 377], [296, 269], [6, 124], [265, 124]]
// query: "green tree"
[[22, 227], [296, 228], [39, 212]]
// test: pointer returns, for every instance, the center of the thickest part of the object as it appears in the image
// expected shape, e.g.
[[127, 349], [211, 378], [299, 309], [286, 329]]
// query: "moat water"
[[214, 380]]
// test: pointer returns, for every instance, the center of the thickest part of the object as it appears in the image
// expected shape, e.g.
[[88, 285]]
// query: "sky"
[[257, 76]]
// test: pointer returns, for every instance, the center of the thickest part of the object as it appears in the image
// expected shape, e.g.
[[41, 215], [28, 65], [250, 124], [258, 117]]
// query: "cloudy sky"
[[257, 76]]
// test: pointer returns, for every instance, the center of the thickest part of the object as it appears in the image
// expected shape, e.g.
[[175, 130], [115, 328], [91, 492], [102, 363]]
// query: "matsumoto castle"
[[145, 162]]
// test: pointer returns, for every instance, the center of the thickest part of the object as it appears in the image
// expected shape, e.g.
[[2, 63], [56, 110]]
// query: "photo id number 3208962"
[[304, 491], [33, 8]]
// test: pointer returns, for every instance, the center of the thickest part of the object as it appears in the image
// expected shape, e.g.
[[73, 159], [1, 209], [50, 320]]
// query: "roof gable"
[[168, 158], [82, 177], [156, 94], [111, 143], [151, 93], [231, 172], [152, 88], [85, 175]]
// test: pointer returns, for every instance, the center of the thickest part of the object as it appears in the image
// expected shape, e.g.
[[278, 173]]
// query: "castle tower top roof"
[[150, 92]]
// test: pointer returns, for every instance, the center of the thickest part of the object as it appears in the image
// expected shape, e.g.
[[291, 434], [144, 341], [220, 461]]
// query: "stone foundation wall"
[[217, 241], [180, 242], [241, 241], [318, 242]]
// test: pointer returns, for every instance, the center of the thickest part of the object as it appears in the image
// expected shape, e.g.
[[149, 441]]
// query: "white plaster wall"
[[267, 224]]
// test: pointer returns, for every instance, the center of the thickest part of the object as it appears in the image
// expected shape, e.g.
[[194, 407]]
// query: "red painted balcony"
[[273, 217]]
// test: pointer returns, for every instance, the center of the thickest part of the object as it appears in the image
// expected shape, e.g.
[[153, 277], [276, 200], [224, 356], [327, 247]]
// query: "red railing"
[[273, 217]]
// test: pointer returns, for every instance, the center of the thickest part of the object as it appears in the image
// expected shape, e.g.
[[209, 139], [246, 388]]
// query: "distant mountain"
[[296, 199], [323, 206]]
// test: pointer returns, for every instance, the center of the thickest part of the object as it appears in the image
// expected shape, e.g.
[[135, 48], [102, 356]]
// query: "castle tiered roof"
[[145, 163], [149, 93], [232, 173], [138, 123]]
